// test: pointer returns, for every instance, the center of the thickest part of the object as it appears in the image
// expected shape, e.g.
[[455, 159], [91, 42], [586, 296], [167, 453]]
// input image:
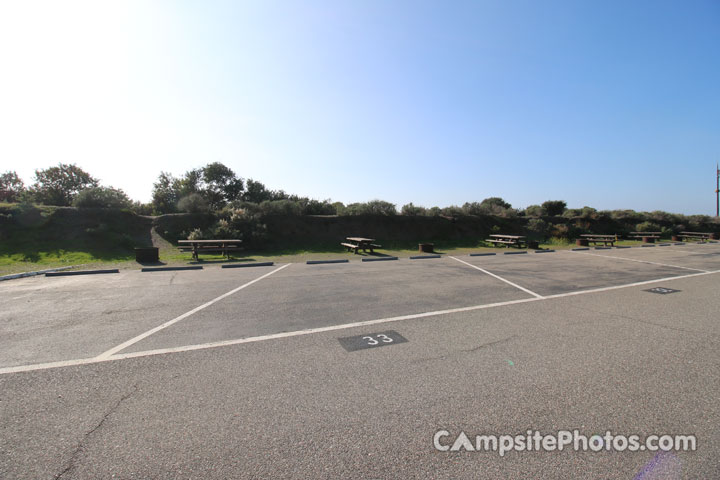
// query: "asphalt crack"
[[489, 344], [81, 445], [469, 350], [641, 320]]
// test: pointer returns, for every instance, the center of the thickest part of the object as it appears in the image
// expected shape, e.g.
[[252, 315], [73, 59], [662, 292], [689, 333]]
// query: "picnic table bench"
[[507, 240], [224, 246], [699, 236], [358, 243], [644, 234], [604, 239]]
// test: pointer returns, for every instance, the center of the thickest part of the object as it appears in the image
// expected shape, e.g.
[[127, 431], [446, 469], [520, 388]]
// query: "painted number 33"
[[380, 337]]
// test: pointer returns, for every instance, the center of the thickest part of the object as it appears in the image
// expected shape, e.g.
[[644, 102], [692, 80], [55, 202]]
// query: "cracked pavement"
[[624, 360]]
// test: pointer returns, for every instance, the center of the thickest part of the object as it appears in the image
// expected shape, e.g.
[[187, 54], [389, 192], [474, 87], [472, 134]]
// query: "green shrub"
[[242, 223], [538, 226], [588, 212], [625, 216], [140, 208], [700, 222], [316, 207], [102, 197], [339, 208], [196, 234], [433, 211], [280, 207], [495, 202], [11, 187], [563, 231], [412, 211], [223, 229], [373, 207], [554, 207], [452, 211], [647, 227], [471, 208], [534, 211], [490, 206], [193, 203]]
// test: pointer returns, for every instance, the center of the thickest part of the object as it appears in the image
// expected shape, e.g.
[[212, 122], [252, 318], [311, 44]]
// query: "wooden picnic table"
[[700, 236], [507, 240], [646, 237], [357, 243], [596, 238], [655, 235], [226, 246]]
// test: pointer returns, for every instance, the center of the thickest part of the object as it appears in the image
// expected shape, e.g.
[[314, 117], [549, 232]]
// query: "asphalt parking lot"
[[239, 373]]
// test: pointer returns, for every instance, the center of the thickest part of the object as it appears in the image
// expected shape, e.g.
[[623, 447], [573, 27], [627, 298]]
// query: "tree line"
[[207, 189], [215, 188]]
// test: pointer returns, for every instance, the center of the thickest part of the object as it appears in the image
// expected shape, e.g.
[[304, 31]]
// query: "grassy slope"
[[34, 238], [39, 237]]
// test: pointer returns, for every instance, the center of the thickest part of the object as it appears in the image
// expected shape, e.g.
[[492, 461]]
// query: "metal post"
[[717, 190]]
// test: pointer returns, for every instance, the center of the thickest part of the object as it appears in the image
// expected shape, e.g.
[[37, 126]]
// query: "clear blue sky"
[[611, 104]]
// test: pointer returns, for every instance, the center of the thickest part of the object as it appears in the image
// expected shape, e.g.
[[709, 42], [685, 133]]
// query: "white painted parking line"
[[142, 336], [627, 285], [203, 346], [640, 261], [309, 331], [499, 278], [120, 356], [686, 251]]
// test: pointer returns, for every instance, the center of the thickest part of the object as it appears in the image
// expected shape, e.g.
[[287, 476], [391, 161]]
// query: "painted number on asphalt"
[[662, 290], [371, 340]]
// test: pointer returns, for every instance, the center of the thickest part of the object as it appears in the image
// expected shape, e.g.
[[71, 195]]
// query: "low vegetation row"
[[217, 203], [215, 188]]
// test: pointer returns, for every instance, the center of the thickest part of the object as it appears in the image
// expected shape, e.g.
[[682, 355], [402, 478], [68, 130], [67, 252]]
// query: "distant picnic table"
[[640, 235], [359, 243], [604, 239], [507, 240], [224, 246], [696, 236]]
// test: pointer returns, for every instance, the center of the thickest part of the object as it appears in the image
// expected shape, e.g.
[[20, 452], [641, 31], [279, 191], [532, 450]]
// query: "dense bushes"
[[554, 207], [490, 206], [647, 227], [373, 207], [193, 203], [218, 203], [101, 197], [412, 211], [534, 211]]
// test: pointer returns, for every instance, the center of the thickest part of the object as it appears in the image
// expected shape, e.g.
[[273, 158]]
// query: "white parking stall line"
[[499, 278], [142, 336], [641, 261], [203, 346]]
